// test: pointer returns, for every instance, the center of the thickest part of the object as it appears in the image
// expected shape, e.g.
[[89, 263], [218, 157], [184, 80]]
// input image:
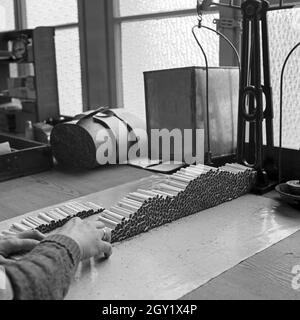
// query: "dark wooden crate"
[[28, 157]]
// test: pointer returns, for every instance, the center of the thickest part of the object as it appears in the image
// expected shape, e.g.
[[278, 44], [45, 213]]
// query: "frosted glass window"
[[7, 19], [49, 12], [135, 7], [161, 44], [69, 71], [284, 35]]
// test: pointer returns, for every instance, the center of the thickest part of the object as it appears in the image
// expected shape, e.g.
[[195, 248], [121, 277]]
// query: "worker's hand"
[[92, 237], [20, 243]]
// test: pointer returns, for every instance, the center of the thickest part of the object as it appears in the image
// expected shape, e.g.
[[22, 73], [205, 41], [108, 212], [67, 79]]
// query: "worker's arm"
[[46, 272], [23, 242], [6, 292]]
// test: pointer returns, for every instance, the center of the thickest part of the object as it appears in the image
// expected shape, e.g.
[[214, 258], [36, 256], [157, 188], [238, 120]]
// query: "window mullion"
[[94, 52], [20, 14], [227, 56], [114, 46]]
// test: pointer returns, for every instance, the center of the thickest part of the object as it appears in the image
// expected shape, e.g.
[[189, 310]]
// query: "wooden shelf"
[[12, 61], [41, 49]]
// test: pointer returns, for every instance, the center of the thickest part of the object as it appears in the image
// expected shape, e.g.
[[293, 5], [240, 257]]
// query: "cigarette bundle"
[[186, 192]]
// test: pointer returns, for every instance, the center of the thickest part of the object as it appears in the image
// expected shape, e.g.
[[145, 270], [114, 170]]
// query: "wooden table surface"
[[38, 191], [266, 275]]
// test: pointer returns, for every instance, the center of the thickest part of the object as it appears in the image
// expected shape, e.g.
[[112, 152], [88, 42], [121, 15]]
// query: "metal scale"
[[255, 96]]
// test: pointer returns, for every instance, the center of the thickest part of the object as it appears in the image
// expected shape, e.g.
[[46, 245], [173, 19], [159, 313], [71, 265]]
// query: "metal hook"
[[199, 13], [200, 19]]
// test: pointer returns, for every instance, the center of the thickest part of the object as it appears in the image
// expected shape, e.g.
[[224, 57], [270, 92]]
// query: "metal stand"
[[251, 109], [255, 53]]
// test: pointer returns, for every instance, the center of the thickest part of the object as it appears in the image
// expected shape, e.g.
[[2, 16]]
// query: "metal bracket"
[[227, 23]]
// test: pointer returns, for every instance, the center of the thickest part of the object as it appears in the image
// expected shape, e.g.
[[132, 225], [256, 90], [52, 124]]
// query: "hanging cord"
[[281, 110], [229, 42], [209, 153], [199, 26]]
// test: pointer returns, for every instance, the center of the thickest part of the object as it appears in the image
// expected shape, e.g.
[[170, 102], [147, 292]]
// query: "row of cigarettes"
[[49, 220], [186, 192]]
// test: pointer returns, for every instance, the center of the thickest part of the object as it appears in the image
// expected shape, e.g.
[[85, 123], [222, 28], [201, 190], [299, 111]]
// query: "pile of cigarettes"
[[182, 194]]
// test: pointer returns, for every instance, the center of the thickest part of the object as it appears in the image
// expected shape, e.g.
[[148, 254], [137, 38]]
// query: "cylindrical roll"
[[80, 143], [73, 146]]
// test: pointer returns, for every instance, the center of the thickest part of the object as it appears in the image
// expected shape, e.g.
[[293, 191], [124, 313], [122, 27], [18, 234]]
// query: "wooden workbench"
[[52, 187], [245, 249]]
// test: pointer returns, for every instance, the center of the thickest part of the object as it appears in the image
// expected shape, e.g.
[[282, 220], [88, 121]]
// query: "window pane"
[[7, 19], [161, 44], [69, 71], [284, 32], [49, 12], [134, 7]]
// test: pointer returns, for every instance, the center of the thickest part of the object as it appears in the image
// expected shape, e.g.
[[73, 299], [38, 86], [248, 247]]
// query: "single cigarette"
[[56, 214], [28, 224], [71, 207], [61, 212], [95, 206], [135, 204], [208, 168], [127, 206], [195, 171], [108, 222], [36, 220], [76, 207], [109, 217], [169, 192], [181, 179], [138, 197], [115, 215], [20, 228], [164, 193], [177, 175], [169, 187], [188, 173], [200, 170], [121, 211], [53, 216], [31, 222], [238, 166], [44, 217], [229, 169], [79, 206], [176, 184], [83, 206], [146, 192], [70, 212], [185, 176], [234, 169]]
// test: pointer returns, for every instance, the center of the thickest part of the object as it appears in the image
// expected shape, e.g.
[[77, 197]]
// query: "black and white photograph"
[[149, 152]]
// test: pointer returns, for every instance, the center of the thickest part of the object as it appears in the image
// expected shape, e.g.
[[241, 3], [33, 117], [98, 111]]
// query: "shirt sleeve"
[[46, 272]]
